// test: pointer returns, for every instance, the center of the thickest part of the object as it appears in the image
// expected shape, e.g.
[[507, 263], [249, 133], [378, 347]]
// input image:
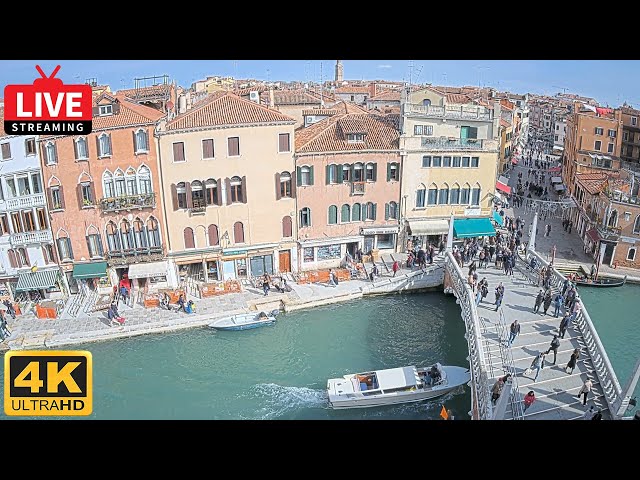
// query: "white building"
[[559, 130]]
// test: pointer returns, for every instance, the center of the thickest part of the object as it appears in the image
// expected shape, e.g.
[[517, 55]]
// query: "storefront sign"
[[472, 212], [234, 252]]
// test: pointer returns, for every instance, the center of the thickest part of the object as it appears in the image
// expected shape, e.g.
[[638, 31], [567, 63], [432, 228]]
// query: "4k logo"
[[48, 383]]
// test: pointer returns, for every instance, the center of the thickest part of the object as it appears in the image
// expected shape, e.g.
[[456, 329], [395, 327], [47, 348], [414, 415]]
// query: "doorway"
[[229, 270], [352, 248], [608, 254], [285, 261]]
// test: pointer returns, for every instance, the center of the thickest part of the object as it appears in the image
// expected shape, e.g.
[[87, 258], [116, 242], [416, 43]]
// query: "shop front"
[[148, 277], [426, 232], [234, 264], [464, 228], [381, 239], [328, 253], [95, 277], [38, 285]]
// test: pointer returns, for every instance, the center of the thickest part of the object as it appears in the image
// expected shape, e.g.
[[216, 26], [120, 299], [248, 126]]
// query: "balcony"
[[25, 201], [618, 196], [610, 233], [135, 255], [463, 112], [24, 238], [447, 144], [199, 206], [129, 202], [357, 188]]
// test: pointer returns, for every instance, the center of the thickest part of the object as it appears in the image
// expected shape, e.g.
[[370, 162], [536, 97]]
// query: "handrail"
[[603, 368], [515, 399], [481, 404]]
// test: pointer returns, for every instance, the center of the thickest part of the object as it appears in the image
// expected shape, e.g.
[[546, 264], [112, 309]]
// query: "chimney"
[[271, 100]]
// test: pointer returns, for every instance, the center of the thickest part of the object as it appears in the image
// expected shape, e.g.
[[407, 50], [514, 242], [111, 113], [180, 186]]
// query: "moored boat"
[[601, 282], [245, 321], [394, 386]]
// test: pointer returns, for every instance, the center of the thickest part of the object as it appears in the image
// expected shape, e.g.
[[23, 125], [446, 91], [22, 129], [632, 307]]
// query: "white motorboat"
[[394, 385], [245, 321]]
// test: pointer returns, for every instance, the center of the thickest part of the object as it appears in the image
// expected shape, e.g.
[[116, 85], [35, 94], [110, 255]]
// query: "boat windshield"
[[367, 381]]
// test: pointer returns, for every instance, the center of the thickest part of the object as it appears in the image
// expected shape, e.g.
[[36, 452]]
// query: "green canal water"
[[280, 372]]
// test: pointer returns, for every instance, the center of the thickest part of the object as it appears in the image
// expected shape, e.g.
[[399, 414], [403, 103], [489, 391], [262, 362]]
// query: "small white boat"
[[245, 321], [394, 385]]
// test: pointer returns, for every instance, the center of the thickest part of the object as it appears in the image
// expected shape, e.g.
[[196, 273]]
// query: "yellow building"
[[450, 156], [226, 170]]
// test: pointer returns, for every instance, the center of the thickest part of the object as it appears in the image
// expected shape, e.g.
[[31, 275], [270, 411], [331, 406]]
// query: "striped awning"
[[40, 279]]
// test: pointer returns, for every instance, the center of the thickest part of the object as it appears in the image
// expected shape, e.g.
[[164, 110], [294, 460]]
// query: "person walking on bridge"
[[539, 299], [557, 302], [546, 303], [564, 324], [514, 331], [555, 343], [573, 361], [585, 390], [499, 295]]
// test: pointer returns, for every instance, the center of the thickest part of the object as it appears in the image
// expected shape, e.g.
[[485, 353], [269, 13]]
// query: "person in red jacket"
[[529, 398], [396, 267]]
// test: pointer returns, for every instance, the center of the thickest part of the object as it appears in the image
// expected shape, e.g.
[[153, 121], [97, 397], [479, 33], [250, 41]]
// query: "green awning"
[[498, 218], [40, 279], [90, 270], [473, 227]]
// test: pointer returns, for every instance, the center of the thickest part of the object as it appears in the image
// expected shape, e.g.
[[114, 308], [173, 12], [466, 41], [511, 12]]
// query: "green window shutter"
[[310, 175], [353, 172], [328, 174], [299, 175], [388, 172], [333, 215], [375, 172], [374, 208], [339, 173], [386, 211]]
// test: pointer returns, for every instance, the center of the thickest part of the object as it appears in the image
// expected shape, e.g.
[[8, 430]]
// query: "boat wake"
[[277, 400]]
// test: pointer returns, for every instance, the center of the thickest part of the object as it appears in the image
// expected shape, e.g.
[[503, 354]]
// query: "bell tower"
[[339, 71]]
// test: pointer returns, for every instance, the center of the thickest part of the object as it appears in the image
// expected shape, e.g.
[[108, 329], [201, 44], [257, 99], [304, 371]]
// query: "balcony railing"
[[129, 202], [452, 144], [42, 236], [465, 112], [199, 205], [26, 201], [134, 252], [610, 233], [623, 198], [357, 188]]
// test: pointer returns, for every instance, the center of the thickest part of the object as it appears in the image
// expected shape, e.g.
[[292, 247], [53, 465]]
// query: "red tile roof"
[[458, 98], [226, 108], [386, 96], [504, 123], [326, 112], [294, 97], [353, 89], [154, 90], [593, 183], [329, 135]]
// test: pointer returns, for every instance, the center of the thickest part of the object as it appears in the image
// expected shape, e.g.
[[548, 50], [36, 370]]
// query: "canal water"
[[615, 312], [280, 372]]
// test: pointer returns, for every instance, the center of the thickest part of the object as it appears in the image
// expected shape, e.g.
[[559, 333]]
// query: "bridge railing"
[[603, 368], [515, 399], [480, 388]]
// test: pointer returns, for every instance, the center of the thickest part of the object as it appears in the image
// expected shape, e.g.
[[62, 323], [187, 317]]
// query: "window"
[[139, 236], [454, 195], [47, 253], [141, 141], [634, 121], [426, 102], [423, 129], [345, 214], [446, 161], [126, 237], [283, 143], [432, 197], [211, 187], [178, 152], [475, 161], [305, 176], [599, 130], [236, 190], [30, 146], [625, 136], [631, 254], [437, 161], [346, 172], [287, 227], [420, 196], [465, 193], [132, 185], [456, 161], [153, 233], [358, 172], [105, 110], [23, 186], [29, 222], [81, 148], [56, 198], [355, 138], [556, 138], [611, 133], [329, 252], [233, 146], [636, 225], [197, 194], [189, 240], [426, 161], [392, 210], [305, 217], [307, 254], [23, 258], [36, 182], [613, 219], [332, 217], [86, 194], [16, 222], [393, 172], [65, 252], [475, 196], [6, 151], [51, 153], [121, 187], [356, 212], [465, 162], [332, 174], [370, 213], [598, 145], [95, 245], [42, 218], [207, 148], [212, 234], [443, 196], [610, 148], [144, 180], [238, 232], [113, 240], [4, 225], [181, 190], [104, 145], [370, 172]]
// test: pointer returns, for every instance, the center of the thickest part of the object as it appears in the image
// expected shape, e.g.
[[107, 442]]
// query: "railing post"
[[450, 235], [531, 247]]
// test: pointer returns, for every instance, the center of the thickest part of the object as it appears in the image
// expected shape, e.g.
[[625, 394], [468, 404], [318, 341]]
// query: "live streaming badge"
[[47, 107], [48, 383]]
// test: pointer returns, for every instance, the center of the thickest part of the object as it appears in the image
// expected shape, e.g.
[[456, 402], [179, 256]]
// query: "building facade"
[[450, 161], [103, 194], [228, 179], [348, 187], [630, 151]]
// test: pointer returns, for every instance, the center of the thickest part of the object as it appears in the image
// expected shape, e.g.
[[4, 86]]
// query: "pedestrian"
[[496, 391], [499, 295], [593, 271], [266, 283], [332, 279], [539, 299], [558, 301], [10, 308], [514, 331], [4, 330], [564, 323], [538, 364], [124, 294], [181, 303], [555, 343], [528, 400], [584, 391], [547, 301], [588, 415], [573, 361], [396, 267], [598, 415]]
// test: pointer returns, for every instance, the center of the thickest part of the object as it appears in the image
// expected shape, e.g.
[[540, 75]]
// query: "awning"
[[559, 187], [593, 235], [40, 279], [148, 270], [473, 227], [555, 169], [514, 161], [90, 270], [556, 179], [379, 230], [498, 218], [428, 227], [502, 187]]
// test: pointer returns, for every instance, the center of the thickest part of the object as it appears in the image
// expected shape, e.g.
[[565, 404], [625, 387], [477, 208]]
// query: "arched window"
[[118, 177], [51, 153], [189, 240], [132, 184], [126, 235], [475, 195], [631, 254], [358, 172], [305, 217], [13, 258], [333, 215], [211, 192], [107, 185], [181, 191], [153, 233], [214, 239], [636, 225], [332, 174], [392, 210], [346, 172], [613, 219], [236, 190], [370, 211], [426, 102], [139, 234], [23, 257], [144, 180], [465, 194], [238, 232], [94, 242], [285, 185], [197, 194], [421, 195], [443, 195], [345, 214], [454, 194], [287, 227], [142, 141], [82, 152], [356, 212], [48, 253], [433, 195], [65, 252], [113, 239], [104, 145], [370, 172]]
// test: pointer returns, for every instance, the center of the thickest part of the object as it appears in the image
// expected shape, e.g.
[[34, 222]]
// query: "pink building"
[[348, 187]]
